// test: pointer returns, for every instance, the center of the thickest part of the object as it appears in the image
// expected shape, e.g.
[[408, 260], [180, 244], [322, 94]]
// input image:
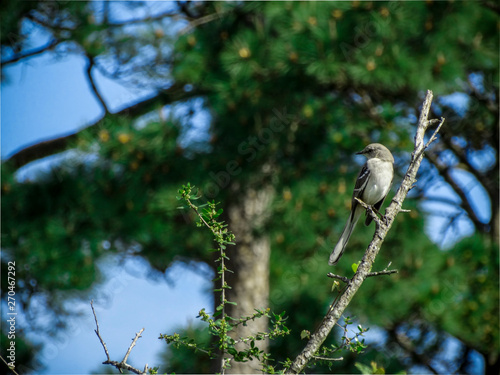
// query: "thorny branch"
[[382, 227]]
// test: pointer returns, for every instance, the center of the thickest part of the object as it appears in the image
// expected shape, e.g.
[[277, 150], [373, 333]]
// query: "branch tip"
[[380, 273], [338, 277]]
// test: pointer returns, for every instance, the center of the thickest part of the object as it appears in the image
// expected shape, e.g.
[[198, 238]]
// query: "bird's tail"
[[344, 238]]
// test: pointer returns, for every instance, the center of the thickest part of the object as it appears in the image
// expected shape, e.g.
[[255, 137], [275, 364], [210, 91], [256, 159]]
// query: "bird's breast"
[[381, 173]]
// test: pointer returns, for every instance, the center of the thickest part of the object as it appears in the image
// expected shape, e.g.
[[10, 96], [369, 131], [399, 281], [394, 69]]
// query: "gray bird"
[[372, 186]]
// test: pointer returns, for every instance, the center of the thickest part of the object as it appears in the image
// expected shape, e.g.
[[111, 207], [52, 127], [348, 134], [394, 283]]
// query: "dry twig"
[[123, 365]]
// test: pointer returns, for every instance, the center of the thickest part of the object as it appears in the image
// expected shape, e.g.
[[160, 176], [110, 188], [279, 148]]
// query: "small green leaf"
[[354, 267], [305, 334]]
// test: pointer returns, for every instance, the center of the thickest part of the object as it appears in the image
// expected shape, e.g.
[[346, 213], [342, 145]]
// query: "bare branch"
[[466, 206], [36, 51], [319, 358], [42, 149], [405, 343], [371, 274], [370, 209], [93, 85], [10, 368], [137, 336], [97, 331], [169, 14], [462, 156], [123, 365], [434, 135], [338, 277], [46, 23], [383, 226], [199, 21], [379, 273]]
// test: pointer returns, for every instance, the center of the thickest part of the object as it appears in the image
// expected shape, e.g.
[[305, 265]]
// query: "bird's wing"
[[360, 185]]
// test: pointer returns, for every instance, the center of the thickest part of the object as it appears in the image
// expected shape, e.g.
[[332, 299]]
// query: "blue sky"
[[125, 303]]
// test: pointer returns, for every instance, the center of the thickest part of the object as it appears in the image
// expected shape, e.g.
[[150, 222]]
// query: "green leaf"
[[305, 334], [354, 267]]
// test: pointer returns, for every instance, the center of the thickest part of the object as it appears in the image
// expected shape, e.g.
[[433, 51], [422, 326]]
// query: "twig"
[[199, 21], [338, 277], [93, 85], [433, 137], [97, 331], [119, 365], [137, 336], [389, 272], [336, 311], [465, 205], [34, 17], [319, 358], [123, 366], [19, 56], [10, 368], [158, 17], [370, 209], [405, 343], [371, 274]]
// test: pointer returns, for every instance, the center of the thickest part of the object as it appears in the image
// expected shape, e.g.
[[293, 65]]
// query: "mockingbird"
[[373, 184]]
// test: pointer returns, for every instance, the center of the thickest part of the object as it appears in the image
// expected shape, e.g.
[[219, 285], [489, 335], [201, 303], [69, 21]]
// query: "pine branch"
[[200, 21], [405, 343], [88, 71], [50, 147], [382, 228], [465, 205], [461, 154], [36, 51]]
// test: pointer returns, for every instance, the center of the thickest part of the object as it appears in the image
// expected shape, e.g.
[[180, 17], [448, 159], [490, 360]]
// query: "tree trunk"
[[250, 264]]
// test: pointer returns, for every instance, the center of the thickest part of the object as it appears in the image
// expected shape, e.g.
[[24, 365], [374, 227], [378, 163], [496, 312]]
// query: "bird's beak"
[[360, 153]]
